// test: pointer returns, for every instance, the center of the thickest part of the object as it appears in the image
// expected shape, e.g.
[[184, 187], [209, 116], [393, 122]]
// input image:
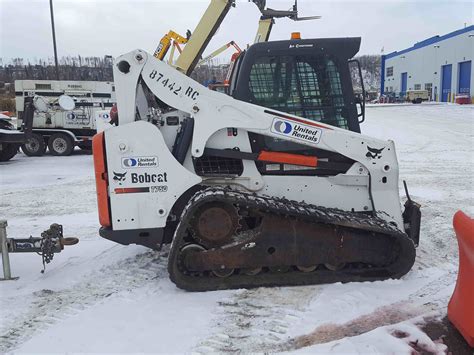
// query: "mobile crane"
[[214, 15]]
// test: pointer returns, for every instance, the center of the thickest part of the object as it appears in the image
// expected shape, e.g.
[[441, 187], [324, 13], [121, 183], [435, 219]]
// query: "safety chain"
[[49, 238]]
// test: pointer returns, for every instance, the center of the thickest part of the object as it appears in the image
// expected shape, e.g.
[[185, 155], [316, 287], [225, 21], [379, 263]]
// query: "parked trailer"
[[59, 128]]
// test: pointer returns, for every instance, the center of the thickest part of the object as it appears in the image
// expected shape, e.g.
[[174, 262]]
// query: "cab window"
[[306, 86]]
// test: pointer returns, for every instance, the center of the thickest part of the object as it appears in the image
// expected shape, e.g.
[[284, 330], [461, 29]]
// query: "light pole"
[[54, 39], [438, 82]]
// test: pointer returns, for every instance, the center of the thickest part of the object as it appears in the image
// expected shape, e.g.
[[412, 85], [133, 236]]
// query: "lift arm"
[[267, 19], [264, 28], [220, 50], [206, 28], [165, 43]]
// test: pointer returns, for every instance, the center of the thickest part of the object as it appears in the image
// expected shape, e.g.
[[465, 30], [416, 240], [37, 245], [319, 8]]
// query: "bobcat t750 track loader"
[[272, 184]]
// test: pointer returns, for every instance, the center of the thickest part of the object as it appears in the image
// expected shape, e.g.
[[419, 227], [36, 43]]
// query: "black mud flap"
[[150, 238], [412, 218]]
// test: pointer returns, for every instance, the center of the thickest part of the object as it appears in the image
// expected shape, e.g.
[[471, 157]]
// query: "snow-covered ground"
[[103, 297]]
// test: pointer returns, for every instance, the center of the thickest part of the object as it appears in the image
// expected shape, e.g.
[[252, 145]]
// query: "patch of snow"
[[99, 296]]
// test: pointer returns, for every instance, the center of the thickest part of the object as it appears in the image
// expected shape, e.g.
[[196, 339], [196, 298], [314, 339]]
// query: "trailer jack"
[[51, 242]]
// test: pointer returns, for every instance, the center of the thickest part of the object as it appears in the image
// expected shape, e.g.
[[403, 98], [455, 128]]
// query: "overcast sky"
[[99, 27]]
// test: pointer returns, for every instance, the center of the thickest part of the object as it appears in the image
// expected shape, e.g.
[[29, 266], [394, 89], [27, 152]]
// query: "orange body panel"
[[288, 158], [101, 179], [461, 305]]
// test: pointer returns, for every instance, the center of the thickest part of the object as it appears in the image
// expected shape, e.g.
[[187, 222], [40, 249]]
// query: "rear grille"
[[218, 166]]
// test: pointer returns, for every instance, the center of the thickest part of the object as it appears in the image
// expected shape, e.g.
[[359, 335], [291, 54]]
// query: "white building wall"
[[423, 65]]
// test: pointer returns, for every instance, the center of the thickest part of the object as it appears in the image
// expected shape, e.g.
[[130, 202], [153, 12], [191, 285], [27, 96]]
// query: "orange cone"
[[461, 305]]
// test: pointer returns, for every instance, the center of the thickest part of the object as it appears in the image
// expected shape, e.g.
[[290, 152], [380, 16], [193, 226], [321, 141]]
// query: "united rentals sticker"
[[296, 130], [139, 162]]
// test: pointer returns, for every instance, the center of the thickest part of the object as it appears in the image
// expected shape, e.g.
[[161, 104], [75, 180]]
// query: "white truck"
[[65, 115], [417, 96]]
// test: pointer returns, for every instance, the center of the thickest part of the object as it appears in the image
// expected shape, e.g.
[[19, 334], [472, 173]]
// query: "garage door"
[[403, 91], [446, 82], [464, 86]]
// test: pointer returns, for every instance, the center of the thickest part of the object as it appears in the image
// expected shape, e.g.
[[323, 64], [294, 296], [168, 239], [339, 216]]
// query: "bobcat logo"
[[374, 153], [119, 176]]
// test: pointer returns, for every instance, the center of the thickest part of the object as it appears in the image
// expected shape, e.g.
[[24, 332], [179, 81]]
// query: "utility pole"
[[54, 39]]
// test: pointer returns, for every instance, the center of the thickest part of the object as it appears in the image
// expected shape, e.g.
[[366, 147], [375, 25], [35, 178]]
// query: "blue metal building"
[[442, 65]]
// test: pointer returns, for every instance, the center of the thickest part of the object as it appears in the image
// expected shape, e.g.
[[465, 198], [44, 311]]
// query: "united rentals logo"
[[139, 162], [295, 130], [282, 126]]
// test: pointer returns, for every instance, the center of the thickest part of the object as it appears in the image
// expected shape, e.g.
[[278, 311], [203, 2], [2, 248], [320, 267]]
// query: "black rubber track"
[[375, 226]]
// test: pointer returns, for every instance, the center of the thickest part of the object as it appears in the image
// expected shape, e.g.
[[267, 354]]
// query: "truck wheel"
[[8, 151], [60, 144], [34, 146]]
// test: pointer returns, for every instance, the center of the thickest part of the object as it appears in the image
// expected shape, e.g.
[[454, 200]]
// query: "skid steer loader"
[[271, 185]]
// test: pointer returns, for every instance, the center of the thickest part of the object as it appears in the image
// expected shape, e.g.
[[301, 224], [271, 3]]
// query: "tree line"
[[70, 68], [100, 69]]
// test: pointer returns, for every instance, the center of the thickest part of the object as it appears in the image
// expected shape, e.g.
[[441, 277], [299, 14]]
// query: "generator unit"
[[65, 115]]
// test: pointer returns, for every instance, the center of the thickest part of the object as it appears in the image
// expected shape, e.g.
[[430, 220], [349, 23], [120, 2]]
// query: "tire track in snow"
[[257, 318], [48, 307]]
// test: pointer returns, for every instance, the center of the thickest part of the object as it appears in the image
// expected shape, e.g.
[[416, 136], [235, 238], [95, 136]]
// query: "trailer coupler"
[[51, 242]]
